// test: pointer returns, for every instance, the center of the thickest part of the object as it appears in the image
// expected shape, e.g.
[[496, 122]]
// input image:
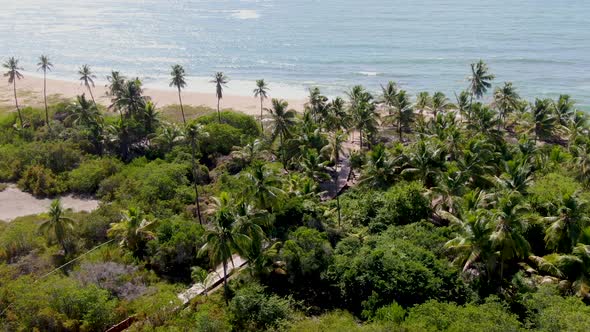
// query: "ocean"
[[542, 46]]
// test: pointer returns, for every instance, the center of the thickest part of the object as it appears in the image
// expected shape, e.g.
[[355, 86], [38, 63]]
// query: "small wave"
[[368, 73], [245, 14]]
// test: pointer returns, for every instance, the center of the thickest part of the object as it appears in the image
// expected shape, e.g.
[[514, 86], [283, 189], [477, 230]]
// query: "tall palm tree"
[[130, 100], [45, 65], [179, 82], [283, 121], [13, 75], [338, 118], [58, 225], [506, 100], [220, 81], [194, 131], [261, 92], [87, 79], [313, 167], [543, 119], [479, 81], [317, 105]]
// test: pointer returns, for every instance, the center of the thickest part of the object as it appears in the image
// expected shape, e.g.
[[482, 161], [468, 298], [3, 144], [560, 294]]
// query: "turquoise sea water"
[[543, 46]]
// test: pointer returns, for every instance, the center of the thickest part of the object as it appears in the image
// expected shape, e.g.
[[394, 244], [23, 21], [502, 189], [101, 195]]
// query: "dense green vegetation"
[[464, 215]]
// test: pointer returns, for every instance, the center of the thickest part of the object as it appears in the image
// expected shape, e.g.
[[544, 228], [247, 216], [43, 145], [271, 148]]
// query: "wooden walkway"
[[334, 188]]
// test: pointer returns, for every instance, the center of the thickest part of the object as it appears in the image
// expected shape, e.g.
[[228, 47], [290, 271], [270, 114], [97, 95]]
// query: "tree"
[[479, 81], [250, 152], [440, 103], [423, 101], [87, 79], [506, 100], [403, 112], [116, 81], [388, 95], [317, 106], [58, 225], [179, 82], [193, 132], [363, 111], [221, 238], [338, 118], [283, 121], [263, 186], [83, 112], [133, 231], [130, 100], [509, 227], [13, 75], [261, 92], [45, 65], [567, 225], [543, 119], [220, 81], [313, 167], [564, 110]]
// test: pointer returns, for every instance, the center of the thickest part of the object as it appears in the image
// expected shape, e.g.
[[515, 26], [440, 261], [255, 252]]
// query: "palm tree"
[[83, 112], [338, 118], [220, 81], [313, 167], [58, 225], [261, 92], [423, 102], [506, 100], [404, 112], [130, 100], [509, 226], [543, 119], [222, 237], [151, 117], [194, 131], [263, 186], [564, 110], [388, 95], [250, 152], [440, 103], [116, 81], [283, 121], [479, 81], [317, 105], [472, 242], [45, 65], [87, 79], [567, 226], [13, 75], [169, 134], [179, 82], [134, 230]]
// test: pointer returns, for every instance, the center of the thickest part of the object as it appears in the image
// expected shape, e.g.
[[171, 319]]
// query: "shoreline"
[[30, 93]]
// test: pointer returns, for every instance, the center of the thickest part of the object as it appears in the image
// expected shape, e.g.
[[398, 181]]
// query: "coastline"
[[30, 93]]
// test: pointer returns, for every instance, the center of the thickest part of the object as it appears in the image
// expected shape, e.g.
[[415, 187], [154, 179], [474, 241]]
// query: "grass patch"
[[172, 112]]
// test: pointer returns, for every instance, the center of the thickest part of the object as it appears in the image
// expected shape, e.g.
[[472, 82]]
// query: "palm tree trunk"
[[261, 125], [399, 127], [45, 98], [361, 138], [225, 288], [218, 113], [91, 95], [193, 148], [20, 116], [181, 107], [470, 109]]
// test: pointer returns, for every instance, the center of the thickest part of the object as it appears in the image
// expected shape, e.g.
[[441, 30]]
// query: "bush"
[[436, 316], [120, 280], [252, 310], [87, 177], [18, 238], [41, 181], [307, 255], [548, 311], [221, 139], [403, 204], [246, 124]]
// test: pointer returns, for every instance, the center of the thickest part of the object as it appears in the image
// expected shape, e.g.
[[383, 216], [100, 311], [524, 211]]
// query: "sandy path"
[[30, 93], [15, 203]]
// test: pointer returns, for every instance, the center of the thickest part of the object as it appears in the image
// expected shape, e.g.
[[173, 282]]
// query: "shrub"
[[18, 238], [120, 280], [221, 139], [246, 124], [252, 310], [41, 181], [435, 316], [403, 204], [87, 177]]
